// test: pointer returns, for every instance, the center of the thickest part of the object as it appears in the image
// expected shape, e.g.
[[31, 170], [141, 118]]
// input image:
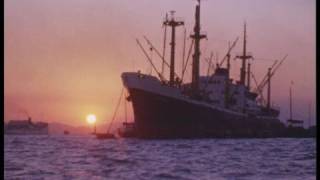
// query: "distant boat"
[[295, 127], [293, 123], [26, 127], [104, 136], [66, 132]]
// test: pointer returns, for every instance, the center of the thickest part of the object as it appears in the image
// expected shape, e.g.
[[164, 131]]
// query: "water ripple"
[[83, 157]]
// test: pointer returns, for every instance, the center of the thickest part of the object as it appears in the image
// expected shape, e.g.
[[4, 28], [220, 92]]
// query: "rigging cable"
[[186, 63], [115, 112]]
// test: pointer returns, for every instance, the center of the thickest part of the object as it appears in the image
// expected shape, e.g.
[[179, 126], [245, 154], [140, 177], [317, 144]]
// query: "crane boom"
[[229, 50], [149, 59], [186, 63], [158, 53], [265, 80], [255, 81]]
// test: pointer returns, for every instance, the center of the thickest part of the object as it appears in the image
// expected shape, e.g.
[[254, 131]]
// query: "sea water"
[[85, 157]]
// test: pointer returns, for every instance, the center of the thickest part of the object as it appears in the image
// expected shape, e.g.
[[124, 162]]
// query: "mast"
[[173, 25], [227, 91], [196, 55], [164, 45], [248, 78], [228, 61], [244, 57], [184, 49], [149, 59], [269, 88], [309, 117], [291, 100]]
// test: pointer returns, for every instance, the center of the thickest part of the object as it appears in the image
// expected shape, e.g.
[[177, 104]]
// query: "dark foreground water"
[[84, 157]]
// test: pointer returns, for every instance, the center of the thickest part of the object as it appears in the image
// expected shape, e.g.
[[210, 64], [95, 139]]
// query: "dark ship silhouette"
[[210, 106], [26, 127]]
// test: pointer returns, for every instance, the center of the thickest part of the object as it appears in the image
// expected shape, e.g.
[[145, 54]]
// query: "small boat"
[[65, 132], [293, 123], [105, 136], [295, 126]]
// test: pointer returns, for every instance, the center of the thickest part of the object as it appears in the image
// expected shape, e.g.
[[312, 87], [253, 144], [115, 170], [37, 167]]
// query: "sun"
[[91, 118]]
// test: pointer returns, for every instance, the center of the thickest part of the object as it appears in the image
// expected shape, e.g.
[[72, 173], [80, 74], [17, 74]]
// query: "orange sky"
[[63, 59]]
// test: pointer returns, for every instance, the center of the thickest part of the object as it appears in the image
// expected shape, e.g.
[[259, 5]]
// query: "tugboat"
[[210, 106]]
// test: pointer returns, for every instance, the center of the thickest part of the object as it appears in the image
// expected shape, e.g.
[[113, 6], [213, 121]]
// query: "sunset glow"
[[91, 119]]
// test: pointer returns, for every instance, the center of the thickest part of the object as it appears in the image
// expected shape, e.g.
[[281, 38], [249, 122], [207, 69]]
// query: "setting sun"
[[91, 118]]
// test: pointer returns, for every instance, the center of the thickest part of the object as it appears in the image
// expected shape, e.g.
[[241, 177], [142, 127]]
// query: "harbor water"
[[84, 157]]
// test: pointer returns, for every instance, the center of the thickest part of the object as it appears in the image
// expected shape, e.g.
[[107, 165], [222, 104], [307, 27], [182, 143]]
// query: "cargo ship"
[[210, 106], [26, 127]]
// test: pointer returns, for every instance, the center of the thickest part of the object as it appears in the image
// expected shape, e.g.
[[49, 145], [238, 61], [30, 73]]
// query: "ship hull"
[[160, 116], [161, 111]]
